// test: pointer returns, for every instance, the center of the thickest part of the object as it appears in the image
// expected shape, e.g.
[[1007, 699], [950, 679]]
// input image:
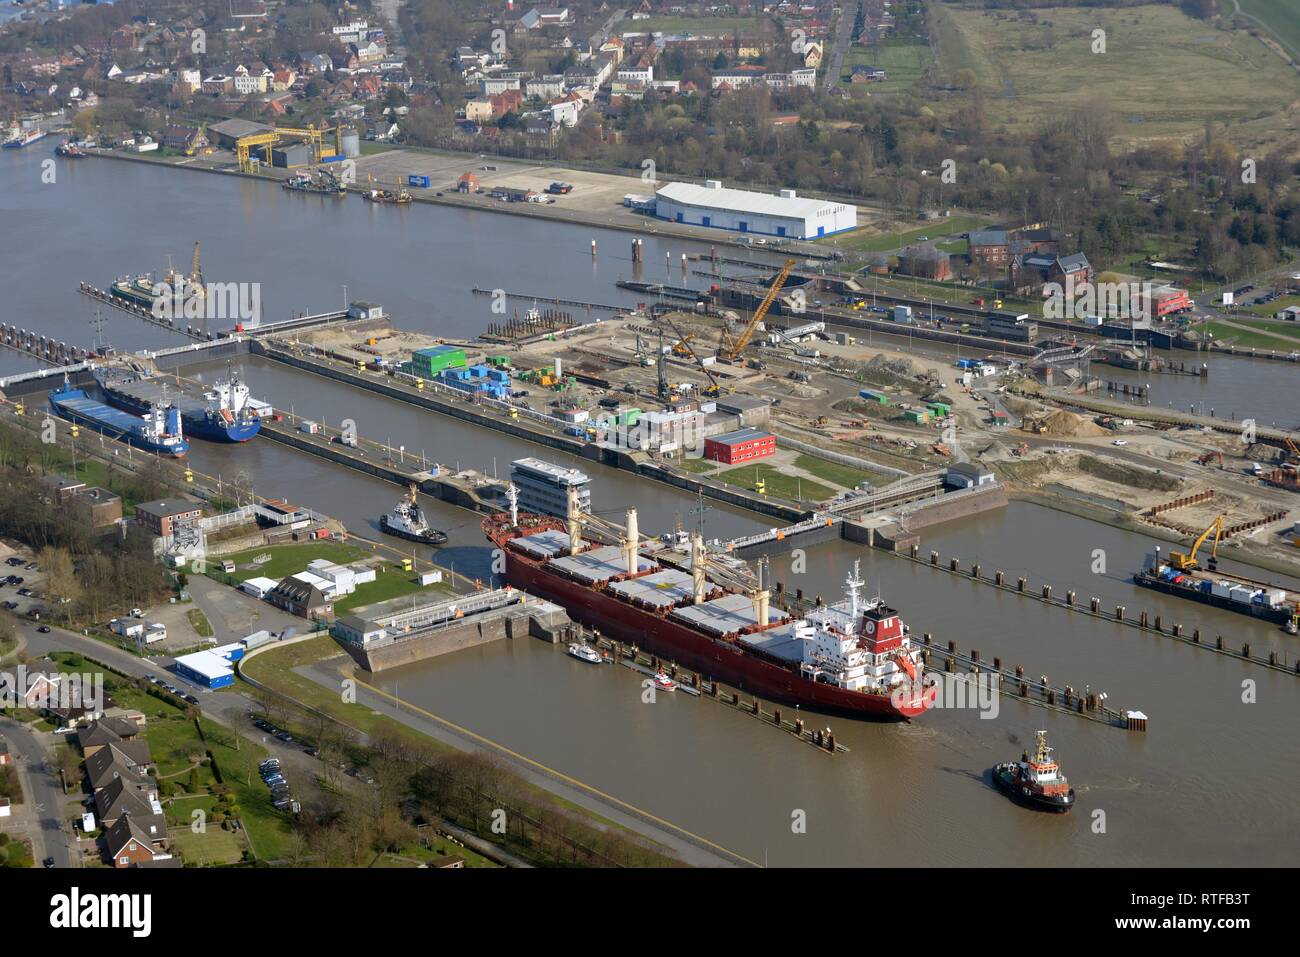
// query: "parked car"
[[44, 629], [284, 736]]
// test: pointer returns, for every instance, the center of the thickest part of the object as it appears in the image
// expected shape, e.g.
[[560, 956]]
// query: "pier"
[[1143, 621]]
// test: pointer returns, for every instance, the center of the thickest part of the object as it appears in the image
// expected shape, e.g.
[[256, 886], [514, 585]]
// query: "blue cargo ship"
[[226, 413], [159, 431]]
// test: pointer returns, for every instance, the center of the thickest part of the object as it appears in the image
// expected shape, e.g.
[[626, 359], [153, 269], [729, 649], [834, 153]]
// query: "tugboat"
[[584, 652], [1036, 782], [406, 520]]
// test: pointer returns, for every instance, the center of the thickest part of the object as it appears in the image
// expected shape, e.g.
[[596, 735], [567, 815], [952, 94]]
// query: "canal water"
[[1211, 783]]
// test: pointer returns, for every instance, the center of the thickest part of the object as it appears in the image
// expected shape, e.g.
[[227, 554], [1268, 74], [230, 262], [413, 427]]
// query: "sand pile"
[[1066, 423]]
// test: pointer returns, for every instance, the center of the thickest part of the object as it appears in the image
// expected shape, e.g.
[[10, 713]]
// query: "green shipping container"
[[427, 363]]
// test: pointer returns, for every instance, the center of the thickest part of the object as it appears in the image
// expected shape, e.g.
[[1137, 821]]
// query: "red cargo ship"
[[851, 658]]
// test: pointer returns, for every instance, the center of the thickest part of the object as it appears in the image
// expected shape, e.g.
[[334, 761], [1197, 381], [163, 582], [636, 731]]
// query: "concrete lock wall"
[[467, 634]]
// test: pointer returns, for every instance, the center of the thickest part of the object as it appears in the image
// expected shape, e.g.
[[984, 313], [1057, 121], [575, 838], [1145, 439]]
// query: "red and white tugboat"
[[1036, 782]]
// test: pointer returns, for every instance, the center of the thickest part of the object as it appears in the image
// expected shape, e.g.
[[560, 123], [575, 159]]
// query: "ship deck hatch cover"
[[599, 564], [722, 616]]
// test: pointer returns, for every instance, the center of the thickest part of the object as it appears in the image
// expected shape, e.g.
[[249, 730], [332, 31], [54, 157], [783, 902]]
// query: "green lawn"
[[213, 845], [440, 849], [698, 466], [200, 622], [173, 739], [289, 559], [789, 487], [390, 582], [1249, 340], [842, 475], [15, 853], [865, 241]]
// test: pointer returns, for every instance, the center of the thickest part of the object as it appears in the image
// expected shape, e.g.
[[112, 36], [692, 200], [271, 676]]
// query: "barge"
[[1219, 589]]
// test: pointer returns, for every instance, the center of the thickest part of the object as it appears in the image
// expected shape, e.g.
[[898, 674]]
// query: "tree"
[[60, 575]]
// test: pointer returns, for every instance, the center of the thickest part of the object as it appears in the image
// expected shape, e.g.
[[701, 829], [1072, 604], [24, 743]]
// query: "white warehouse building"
[[744, 211]]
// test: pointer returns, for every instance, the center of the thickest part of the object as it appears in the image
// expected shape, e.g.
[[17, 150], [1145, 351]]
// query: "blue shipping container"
[[416, 180]]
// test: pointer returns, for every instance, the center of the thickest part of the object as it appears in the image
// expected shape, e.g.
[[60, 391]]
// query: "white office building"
[[783, 215], [544, 487]]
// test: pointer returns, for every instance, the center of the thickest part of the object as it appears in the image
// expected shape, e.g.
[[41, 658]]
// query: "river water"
[[1211, 783]]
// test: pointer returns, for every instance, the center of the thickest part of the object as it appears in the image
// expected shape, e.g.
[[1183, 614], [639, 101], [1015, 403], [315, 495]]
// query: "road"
[[44, 796], [839, 46], [231, 709]]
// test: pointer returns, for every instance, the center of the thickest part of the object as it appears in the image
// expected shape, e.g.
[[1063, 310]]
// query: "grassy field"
[[200, 623], [1281, 17], [866, 241], [291, 559], [699, 466], [1162, 73], [843, 475], [213, 844], [175, 745], [904, 62], [15, 853], [789, 487], [390, 582], [1251, 340]]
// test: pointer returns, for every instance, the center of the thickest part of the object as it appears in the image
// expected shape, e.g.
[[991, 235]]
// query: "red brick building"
[[743, 445], [166, 515]]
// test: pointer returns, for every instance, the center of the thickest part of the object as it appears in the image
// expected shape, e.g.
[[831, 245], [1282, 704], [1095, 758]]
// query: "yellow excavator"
[[1187, 562]]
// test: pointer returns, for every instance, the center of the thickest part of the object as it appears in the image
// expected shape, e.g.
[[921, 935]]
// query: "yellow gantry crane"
[[732, 349], [1187, 562], [245, 145]]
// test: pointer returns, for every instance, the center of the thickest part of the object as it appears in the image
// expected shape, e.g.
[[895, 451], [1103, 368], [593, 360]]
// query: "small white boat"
[[664, 683], [584, 652]]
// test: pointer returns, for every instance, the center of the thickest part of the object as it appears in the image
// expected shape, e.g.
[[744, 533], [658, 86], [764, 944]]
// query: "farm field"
[[1281, 17], [1033, 64]]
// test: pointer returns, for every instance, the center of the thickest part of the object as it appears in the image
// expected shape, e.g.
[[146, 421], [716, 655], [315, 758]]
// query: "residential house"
[[314, 63], [127, 761], [283, 79], [123, 796], [104, 732], [479, 110], [867, 74], [370, 52], [129, 844], [300, 597], [183, 138], [1035, 270]]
